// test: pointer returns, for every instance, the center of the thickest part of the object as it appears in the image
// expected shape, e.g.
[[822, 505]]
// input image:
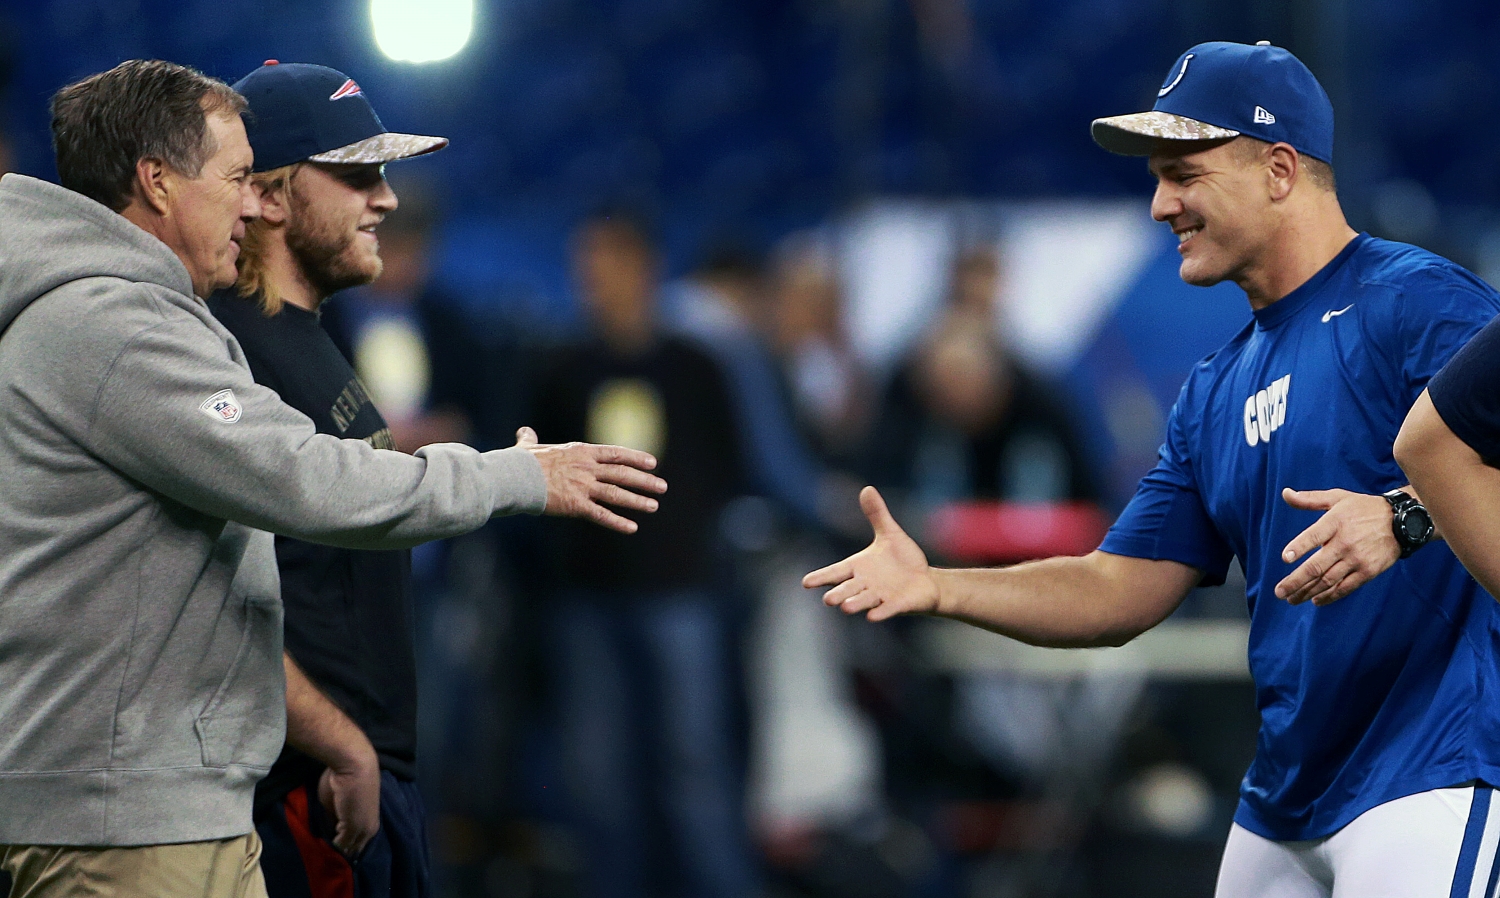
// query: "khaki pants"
[[228, 868]]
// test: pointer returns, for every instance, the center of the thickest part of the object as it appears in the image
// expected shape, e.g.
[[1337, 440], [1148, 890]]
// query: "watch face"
[[1417, 526]]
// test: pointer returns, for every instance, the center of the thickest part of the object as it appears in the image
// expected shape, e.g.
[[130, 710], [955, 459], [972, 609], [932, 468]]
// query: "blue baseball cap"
[[301, 112], [1220, 90]]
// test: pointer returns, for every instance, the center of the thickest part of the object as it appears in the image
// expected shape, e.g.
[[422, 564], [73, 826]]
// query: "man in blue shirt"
[[1377, 737]]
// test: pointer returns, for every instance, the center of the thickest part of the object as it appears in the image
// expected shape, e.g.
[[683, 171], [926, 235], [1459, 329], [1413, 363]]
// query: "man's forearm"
[[1096, 600], [1465, 507], [1460, 491], [318, 728]]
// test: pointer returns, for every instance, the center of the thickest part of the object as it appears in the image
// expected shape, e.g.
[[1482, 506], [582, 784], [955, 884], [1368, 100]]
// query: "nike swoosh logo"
[[1330, 314]]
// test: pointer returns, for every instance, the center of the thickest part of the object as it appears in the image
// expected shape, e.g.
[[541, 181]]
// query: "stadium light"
[[421, 30]]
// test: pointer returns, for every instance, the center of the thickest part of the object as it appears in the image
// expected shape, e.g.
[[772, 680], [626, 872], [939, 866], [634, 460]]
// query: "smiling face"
[[330, 229], [1217, 202], [207, 214]]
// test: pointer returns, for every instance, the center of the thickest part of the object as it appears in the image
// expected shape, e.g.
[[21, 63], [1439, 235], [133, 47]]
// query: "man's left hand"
[[1354, 540]]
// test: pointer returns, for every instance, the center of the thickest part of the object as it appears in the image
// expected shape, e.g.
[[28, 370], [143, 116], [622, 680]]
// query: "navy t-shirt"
[[1389, 691], [348, 611], [1466, 393]]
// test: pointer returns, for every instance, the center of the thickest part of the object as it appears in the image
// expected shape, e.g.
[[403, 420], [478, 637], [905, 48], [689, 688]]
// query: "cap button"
[[1257, 43], [272, 62]]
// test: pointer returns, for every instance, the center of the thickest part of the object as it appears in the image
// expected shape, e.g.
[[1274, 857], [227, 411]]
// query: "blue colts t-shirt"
[[1391, 690]]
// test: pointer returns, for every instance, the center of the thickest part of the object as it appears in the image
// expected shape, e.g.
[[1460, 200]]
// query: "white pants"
[[1438, 844]]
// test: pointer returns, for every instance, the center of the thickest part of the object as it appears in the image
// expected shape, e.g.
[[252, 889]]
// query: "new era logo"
[[1262, 117], [350, 89]]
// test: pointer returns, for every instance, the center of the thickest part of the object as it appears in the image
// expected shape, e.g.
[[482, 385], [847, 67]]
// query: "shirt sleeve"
[[1439, 314], [260, 462], [1166, 519], [1466, 393]]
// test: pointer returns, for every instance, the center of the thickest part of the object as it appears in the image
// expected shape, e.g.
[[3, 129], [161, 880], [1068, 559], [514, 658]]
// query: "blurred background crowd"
[[792, 247]]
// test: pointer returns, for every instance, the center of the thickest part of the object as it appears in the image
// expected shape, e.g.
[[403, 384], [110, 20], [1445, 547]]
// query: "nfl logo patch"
[[222, 406]]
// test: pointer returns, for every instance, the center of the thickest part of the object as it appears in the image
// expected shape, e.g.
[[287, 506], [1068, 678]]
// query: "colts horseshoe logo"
[[1178, 80]]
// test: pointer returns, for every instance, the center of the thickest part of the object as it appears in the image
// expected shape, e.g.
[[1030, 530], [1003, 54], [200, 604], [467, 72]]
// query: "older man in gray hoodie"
[[141, 466]]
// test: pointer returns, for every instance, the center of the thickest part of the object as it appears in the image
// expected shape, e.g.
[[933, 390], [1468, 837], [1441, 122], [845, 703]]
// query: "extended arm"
[[1461, 492], [350, 787], [1097, 600], [261, 463]]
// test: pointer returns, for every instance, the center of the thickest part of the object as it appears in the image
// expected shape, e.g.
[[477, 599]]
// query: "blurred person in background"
[[642, 642], [817, 788], [339, 812], [722, 307], [1372, 652], [963, 418], [815, 770], [829, 388]]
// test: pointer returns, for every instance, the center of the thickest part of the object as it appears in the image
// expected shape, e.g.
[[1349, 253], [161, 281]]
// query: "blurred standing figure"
[[829, 388], [964, 419], [642, 638], [720, 307]]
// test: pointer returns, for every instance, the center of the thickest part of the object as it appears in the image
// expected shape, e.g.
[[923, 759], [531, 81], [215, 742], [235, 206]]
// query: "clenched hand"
[[582, 478]]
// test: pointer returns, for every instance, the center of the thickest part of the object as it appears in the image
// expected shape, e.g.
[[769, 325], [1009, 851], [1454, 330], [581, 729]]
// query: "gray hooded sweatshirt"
[[141, 691]]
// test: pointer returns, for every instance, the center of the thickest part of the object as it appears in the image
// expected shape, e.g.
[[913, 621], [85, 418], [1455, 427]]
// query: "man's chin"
[[330, 282], [1197, 275], [223, 280]]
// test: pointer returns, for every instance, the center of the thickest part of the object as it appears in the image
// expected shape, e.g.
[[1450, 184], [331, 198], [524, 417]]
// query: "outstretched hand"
[[886, 578], [1354, 540], [583, 478]]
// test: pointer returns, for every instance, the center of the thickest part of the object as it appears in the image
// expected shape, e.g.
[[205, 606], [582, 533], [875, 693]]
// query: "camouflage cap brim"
[[387, 147], [1136, 133]]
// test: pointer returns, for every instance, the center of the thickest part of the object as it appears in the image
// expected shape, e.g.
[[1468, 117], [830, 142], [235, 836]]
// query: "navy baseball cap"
[[1219, 90], [301, 112]]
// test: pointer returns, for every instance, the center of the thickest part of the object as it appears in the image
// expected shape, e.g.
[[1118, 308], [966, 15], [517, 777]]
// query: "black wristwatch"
[[1410, 522]]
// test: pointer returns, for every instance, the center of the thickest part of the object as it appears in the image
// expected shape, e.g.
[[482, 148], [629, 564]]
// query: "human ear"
[[1283, 169], [273, 201], [151, 183]]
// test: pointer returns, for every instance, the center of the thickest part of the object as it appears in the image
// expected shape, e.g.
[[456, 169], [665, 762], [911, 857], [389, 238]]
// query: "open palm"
[[888, 577]]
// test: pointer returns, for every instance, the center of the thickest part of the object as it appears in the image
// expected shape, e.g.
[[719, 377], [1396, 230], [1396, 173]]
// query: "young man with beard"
[[1379, 735], [339, 812]]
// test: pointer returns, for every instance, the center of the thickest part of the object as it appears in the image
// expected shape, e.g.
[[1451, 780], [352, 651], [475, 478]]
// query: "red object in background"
[[1008, 532]]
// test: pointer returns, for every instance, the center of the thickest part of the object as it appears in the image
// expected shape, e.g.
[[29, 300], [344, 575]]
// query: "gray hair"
[[142, 108]]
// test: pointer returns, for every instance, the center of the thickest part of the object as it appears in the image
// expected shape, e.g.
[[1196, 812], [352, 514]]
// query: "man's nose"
[[1165, 203], [383, 198]]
